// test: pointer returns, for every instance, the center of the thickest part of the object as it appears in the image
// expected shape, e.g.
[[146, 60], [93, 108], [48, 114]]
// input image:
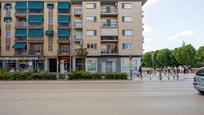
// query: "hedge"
[[6, 75], [83, 75]]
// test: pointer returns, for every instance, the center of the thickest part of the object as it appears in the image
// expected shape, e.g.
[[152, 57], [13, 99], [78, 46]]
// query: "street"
[[100, 98]]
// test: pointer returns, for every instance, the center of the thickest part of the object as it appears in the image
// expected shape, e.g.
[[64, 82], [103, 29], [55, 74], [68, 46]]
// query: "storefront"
[[23, 63], [64, 64]]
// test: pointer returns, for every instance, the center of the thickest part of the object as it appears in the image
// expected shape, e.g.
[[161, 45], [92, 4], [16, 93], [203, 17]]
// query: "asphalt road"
[[100, 98]]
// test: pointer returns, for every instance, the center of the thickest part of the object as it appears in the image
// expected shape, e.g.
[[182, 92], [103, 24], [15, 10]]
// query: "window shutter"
[[123, 32], [94, 5], [123, 45], [123, 5], [123, 19], [95, 32], [94, 18]]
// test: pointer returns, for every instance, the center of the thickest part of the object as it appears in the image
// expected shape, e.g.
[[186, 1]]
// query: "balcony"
[[20, 52], [35, 25], [109, 49], [21, 13], [109, 38], [109, 11], [21, 24], [38, 52], [35, 39], [78, 37], [20, 39], [78, 11], [63, 40], [64, 25], [78, 24], [36, 12], [63, 51], [109, 23]]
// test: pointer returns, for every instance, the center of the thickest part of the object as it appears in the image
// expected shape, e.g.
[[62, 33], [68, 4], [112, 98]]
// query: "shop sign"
[[19, 58]]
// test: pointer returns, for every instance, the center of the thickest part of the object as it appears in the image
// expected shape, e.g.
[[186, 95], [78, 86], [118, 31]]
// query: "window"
[[92, 46], [91, 5], [50, 7], [7, 46], [7, 20], [7, 7], [91, 19], [127, 18], [91, 65], [127, 5], [50, 46], [127, 32], [91, 32], [37, 48], [200, 72], [50, 20], [8, 34], [127, 46]]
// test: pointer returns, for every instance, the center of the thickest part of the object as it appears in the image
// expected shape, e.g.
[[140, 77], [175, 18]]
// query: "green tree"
[[163, 57], [172, 59], [185, 55], [147, 59], [200, 56]]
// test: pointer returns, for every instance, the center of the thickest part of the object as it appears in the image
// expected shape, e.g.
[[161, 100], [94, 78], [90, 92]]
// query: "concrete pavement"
[[100, 98]]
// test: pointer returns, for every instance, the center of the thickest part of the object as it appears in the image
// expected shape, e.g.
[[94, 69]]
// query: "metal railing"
[[109, 10]]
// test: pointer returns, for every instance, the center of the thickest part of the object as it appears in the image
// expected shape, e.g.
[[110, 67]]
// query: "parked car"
[[199, 81]]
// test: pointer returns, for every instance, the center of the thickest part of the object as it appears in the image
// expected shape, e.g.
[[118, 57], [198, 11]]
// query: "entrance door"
[[80, 64], [53, 65]]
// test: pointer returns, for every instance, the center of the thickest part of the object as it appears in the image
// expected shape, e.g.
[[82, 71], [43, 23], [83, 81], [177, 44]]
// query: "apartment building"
[[42, 35]]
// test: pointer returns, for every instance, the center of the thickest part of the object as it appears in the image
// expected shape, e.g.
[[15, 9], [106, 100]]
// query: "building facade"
[[43, 35]]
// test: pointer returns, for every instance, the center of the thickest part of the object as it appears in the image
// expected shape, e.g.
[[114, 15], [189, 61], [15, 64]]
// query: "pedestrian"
[[140, 71]]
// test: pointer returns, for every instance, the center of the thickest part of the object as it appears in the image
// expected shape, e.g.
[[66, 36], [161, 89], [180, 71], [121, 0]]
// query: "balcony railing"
[[109, 38], [20, 38], [63, 51], [21, 12], [109, 11], [20, 52], [78, 11], [35, 39], [35, 52], [78, 24], [78, 37], [35, 25], [64, 25], [63, 39], [35, 11], [110, 51], [21, 24], [109, 24]]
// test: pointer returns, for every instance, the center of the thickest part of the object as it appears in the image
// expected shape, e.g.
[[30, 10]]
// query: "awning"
[[21, 32], [63, 19], [35, 5], [35, 18], [35, 32], [49, 32], [21, 5], [19, 45], [63, 32], [63, 5]]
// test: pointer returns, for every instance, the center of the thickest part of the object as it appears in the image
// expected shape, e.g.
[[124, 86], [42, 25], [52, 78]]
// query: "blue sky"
[[167, 23]]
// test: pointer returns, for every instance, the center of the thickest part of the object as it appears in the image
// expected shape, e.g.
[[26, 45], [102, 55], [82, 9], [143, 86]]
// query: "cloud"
[[147, 40], [181, 35], [149, 3]]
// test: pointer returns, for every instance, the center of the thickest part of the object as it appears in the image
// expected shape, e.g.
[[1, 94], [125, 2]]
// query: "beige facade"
[[111, 30]]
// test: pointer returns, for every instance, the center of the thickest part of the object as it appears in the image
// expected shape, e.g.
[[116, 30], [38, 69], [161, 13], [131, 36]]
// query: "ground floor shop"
[[107, 64], [20, 64], [65, 64]]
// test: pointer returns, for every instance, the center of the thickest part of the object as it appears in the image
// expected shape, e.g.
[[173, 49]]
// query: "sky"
[[167, 23]]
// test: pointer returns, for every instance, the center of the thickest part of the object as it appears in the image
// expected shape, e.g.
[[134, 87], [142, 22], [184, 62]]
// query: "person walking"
[[140, 71]]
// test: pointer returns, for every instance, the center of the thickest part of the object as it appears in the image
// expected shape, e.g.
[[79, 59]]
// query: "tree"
[[147, 59], [163, 57], [172, 59], [81, 52], [185, 55], [200, 56]]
